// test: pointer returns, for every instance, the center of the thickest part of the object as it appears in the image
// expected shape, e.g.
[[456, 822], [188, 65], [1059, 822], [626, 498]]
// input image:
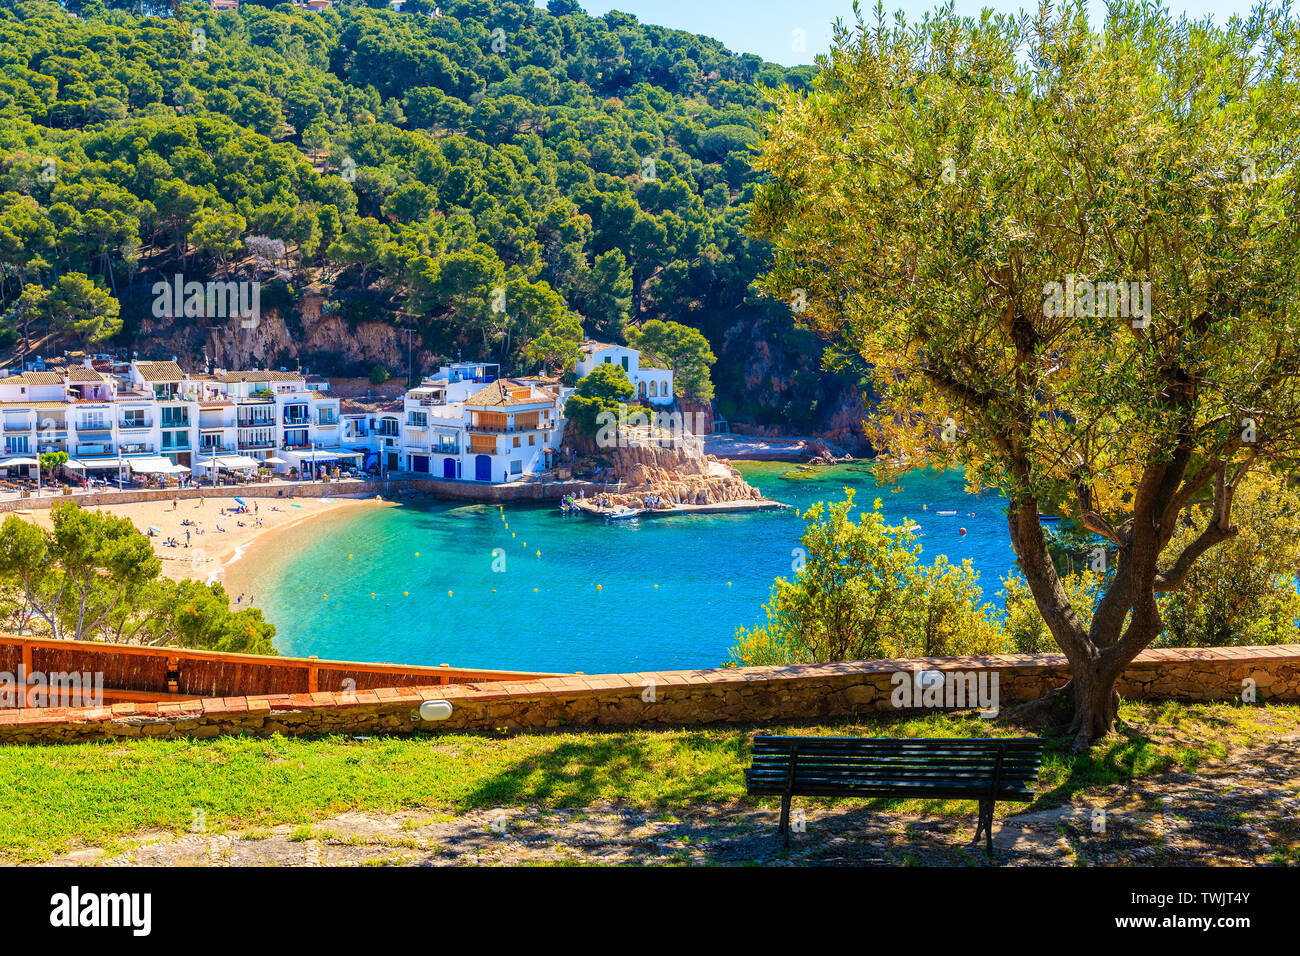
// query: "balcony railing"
[[508, 429], [268, 443], [134, 424], [295, 420], [17, 427]]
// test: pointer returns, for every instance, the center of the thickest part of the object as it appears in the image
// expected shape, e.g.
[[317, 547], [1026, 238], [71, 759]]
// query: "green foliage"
[[51, 461], [93, 576], [1025, 628], [945, 183], [860, 593], [680, 348], [410, 169], [603, 391], [379, 375], [1243, 592]]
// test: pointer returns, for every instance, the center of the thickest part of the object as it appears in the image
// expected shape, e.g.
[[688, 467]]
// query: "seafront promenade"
[[398, 484]]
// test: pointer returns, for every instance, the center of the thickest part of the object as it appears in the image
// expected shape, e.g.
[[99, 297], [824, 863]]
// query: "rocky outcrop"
[[823, 453], [679, 473]]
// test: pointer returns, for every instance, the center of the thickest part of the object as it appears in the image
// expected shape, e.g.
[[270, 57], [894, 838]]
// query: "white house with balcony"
[[654, 385], [513, 427], [33, 416]]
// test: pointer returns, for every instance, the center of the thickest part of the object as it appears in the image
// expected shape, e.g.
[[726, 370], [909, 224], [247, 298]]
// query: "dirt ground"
[[1239, 811]]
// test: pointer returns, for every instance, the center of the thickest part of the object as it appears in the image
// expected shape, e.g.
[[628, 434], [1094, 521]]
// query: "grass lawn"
[[55, 798]]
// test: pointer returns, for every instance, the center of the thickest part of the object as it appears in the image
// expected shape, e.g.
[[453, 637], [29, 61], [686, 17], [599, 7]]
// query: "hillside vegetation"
[[497, 178]]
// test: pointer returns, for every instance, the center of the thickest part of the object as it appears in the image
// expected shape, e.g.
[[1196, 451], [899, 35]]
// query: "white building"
[[654, 385]]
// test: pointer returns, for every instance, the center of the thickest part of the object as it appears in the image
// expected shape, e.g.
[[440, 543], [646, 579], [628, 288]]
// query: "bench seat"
[[985, 769]]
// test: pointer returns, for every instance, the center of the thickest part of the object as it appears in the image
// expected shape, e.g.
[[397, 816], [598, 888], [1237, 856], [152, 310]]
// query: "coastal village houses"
[[152, 418], [464, 423]]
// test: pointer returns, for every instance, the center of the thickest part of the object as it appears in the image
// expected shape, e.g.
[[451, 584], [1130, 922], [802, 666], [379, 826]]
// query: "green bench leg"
[[785, 820], [985, 825]]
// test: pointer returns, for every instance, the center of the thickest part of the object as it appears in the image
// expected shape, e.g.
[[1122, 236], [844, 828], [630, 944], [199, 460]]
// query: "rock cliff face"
[[679, 473], [272, 340]]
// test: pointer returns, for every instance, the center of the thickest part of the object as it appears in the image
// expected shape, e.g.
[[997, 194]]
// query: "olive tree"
[[1068, 260]]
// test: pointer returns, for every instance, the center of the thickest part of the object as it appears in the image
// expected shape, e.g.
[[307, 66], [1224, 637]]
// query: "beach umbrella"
[[240, 501], [18, 462], [155, 530]]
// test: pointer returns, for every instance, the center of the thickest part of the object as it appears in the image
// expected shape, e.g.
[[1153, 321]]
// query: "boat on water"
[[622, 513]]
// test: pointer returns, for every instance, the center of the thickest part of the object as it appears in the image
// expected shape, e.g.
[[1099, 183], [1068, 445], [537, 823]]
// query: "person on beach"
[[187, 538]]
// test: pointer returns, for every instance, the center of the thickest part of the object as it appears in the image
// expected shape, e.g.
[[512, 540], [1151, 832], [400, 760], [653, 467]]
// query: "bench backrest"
[[869, 765]]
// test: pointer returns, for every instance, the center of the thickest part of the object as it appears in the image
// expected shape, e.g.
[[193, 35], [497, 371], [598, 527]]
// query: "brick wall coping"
[[570, 686]]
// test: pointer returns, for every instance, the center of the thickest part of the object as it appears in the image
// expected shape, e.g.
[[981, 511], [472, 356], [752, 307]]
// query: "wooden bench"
[[986, 769]]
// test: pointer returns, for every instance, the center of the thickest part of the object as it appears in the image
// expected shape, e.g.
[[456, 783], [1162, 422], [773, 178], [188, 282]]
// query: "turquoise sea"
[[672, 590]]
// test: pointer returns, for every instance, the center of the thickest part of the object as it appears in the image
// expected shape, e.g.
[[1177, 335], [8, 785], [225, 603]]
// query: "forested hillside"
[[383, 171]]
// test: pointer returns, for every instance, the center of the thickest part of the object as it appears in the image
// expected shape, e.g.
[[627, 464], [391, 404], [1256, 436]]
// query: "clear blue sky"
[[766, 27]]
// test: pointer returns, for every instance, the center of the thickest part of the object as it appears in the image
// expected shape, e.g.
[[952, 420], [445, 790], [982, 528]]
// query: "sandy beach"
[[217, 541]]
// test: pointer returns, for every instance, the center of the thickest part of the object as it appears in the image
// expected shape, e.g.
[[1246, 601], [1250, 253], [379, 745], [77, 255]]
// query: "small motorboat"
[[622, 512]]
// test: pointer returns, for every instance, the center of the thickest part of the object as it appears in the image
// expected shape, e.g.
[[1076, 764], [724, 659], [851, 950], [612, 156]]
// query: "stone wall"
[[662, 698], [344, 488]]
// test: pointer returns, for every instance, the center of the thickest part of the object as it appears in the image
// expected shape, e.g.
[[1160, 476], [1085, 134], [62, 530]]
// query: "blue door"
[[420, 463], [482, 468], [449, 468]]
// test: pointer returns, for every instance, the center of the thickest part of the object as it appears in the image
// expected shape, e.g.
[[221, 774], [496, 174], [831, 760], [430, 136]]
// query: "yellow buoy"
[[372, 593], [417, 554], [324, 596], [406, 593], [349, 557], [534, 590], [656, 586], [728, 584], [448, 594], [539, 552], [512, 534], [598, 587]]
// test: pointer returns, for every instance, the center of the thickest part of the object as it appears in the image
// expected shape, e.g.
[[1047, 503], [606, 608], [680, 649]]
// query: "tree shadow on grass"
[[654, 769], [1114, 760]]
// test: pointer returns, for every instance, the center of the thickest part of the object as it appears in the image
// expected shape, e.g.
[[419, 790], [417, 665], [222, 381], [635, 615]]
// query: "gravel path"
[[1238, 811]]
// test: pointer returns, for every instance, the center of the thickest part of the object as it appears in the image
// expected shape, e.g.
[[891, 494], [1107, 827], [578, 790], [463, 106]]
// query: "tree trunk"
[[1096, 707]]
